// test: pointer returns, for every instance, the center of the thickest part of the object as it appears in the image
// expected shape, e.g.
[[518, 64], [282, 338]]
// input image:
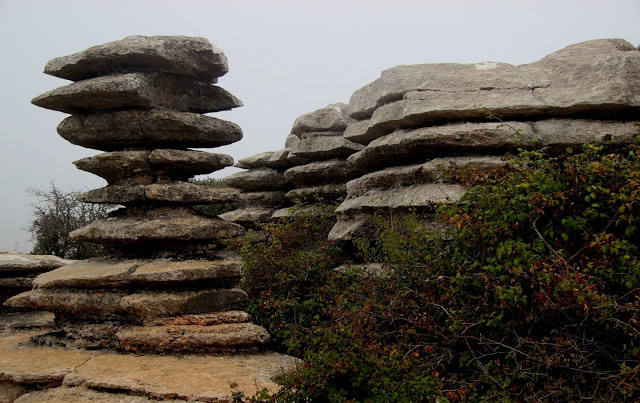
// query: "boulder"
[[269, 159], [265, 199], [144, 129], [330, 118], [189, 56], [415, 145], [597, 79], [329, 191], [138, 91], [177, 339], [257, 179], [314, 173], [179, 224], [322, 147], [12, 261]]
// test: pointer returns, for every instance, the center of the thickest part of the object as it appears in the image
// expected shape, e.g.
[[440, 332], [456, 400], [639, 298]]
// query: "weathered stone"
[[596, 79], [322, 147], [206, 319], [119, 167], [182, 224], [164, 271], [83, 394], [92, 273], [191, 377], [357, 132], [330, 191], [291, 141], [179, 339], [314, 173], [9, 392], [190, 56], [437, 170], [118, 305], [257, 179], [423, 195], [406, 146], [375, 270], [16, 282], [265, 199], [26, 320], [35, 366], [330, 118], [142, 129], [296, 211], [270, 159], [11, 261], [177, 163], [247, 215], [138, 91], [176, 193]]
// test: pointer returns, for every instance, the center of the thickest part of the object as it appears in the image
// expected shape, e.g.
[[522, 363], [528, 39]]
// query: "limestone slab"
[[257, 179], [315, 173], [190, 56], [405, 146], [158, 224], [144, 129], [319, 148], [16, 282], [164, 271], [330, 191], [26, 320], [178, 339], [269, 159], [168, 162], [265, 199], [206, 319], [330, 118], [119, 167], [83, 394], [248, 215], [91, 273], [174, 193], [12, 261], [137, 91]]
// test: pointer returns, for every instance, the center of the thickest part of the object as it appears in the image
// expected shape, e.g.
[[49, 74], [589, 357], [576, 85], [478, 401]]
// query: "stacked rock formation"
[[263, 187], [318, 153], [142, 99], [470, 115]]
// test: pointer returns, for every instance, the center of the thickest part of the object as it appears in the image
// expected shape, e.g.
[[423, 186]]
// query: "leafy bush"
[[533, 294], [55, 214]]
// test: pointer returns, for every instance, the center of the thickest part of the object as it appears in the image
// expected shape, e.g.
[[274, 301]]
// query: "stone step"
[[198, 339], [189, 56], [189, 377], [416, 145], [257, 179], [183, 193], [139, 307], [315, 173], [138, 91], [179, 224], [144, 129]]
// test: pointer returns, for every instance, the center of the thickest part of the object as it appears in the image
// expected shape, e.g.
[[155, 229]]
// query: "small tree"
[[55, 215]]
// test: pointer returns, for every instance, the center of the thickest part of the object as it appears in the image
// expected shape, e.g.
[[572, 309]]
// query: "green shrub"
[[533, 294]]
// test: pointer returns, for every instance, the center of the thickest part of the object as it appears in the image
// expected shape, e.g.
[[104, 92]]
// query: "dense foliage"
[[532, 294], [55, 214]]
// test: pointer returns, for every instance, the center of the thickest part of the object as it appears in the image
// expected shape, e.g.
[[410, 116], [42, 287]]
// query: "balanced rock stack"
[[161, 289], [318, 153], [469, 115], [263, 187]]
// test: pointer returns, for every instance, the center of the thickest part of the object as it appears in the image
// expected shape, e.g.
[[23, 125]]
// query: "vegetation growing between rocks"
[[213, 210], [532, 294]]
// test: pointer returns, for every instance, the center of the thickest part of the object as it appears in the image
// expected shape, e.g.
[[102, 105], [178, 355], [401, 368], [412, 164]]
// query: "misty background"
[[286, 58]]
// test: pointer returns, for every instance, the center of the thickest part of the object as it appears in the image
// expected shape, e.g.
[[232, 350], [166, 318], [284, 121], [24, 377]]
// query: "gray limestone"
[[269, 159], [315, 173], [329, 191], [257, 179], [330, 118], [247, 215], [322, 147]]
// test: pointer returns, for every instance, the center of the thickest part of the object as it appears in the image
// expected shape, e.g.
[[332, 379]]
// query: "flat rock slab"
[[406, 146], [12, 261], [257, 179], [269, 159], [206, 319], [248, 215], [33, 366], [138, 91], [315, 173], [83, 394], [320, 148], [92, 273], [204, 378], [437, 170], [330, 118], [144, 129], [190, 56], [167, 162], [314, 193], [25, 320], [164, 271], [179, 339], [171, 193], [351, 227], [120, 305], [264, 199], [16, 282], [159, 224], [119, 167]]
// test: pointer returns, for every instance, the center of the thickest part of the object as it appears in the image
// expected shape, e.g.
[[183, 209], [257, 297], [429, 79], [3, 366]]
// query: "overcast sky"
[[286, 58]]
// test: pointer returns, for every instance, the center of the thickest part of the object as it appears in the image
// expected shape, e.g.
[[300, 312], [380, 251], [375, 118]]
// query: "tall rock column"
[[168, 285]]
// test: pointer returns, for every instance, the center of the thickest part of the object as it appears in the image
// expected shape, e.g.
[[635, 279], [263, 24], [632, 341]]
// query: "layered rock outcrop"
[[435, 116], [167, 285]]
